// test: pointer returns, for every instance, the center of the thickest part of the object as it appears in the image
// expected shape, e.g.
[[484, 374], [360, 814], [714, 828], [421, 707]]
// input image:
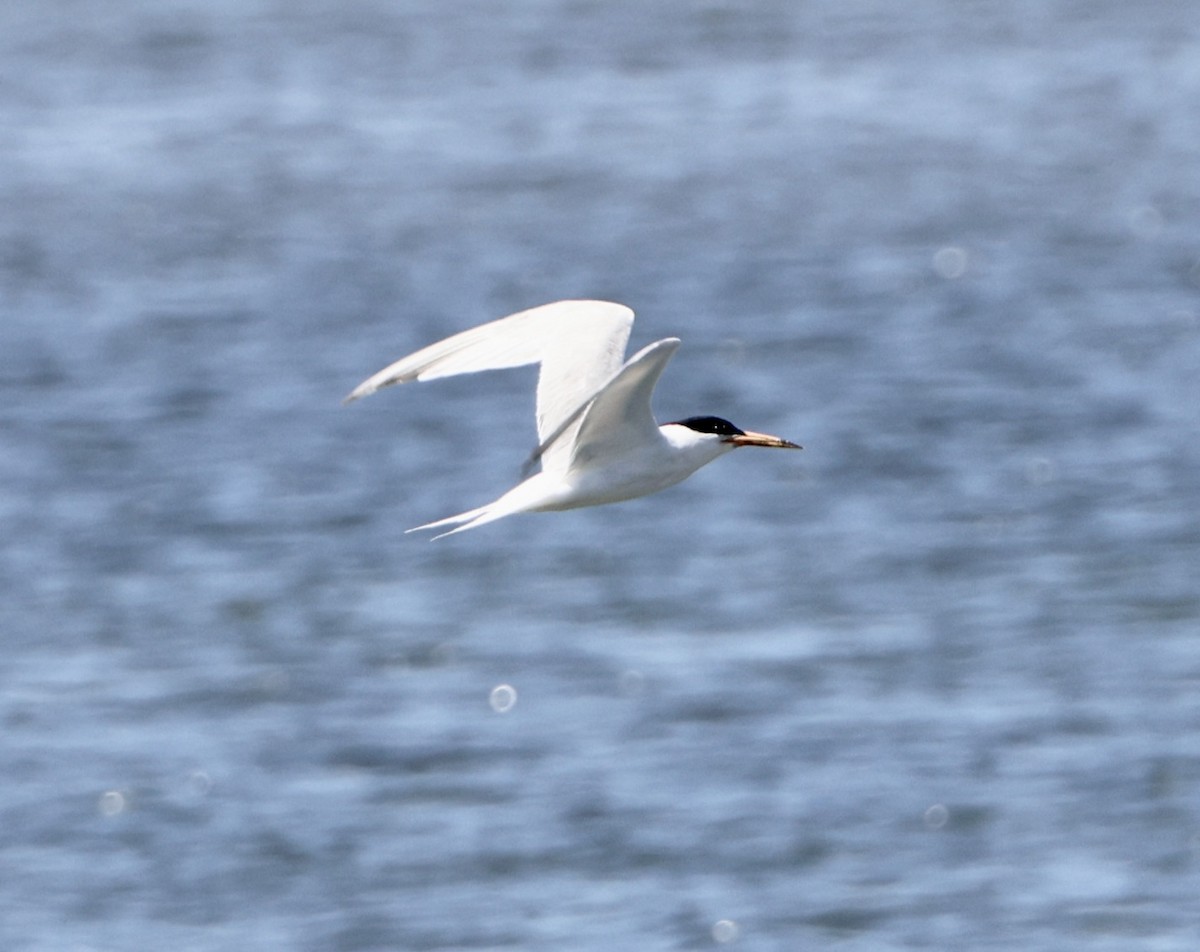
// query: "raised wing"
[[579, 345], [618, 418], [576, 364]]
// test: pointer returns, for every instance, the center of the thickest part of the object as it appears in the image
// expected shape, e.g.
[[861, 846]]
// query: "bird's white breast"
[[652, 467]]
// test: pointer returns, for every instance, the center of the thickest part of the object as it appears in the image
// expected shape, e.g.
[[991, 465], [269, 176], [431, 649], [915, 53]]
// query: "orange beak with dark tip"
[[750, 438]]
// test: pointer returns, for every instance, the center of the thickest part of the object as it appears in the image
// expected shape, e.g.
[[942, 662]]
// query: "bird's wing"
[[617, 418], [575, 365], [579, 344]]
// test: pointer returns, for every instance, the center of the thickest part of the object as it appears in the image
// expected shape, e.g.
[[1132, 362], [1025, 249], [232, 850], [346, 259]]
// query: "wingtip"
[[357, 394]]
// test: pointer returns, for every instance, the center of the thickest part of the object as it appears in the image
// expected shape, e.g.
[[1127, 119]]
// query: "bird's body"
[[598, 440]]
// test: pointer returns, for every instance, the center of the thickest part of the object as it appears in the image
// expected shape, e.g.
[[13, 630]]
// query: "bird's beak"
[[749, 438]]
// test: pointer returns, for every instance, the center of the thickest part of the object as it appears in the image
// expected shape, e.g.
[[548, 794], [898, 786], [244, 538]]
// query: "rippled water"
[[930, 684]]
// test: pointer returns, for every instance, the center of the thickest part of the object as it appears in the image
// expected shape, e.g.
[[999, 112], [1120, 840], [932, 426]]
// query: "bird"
[[598, 441]]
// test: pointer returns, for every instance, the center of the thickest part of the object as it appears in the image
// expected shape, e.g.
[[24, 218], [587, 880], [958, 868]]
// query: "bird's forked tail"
[[464, 520], [528, 496]]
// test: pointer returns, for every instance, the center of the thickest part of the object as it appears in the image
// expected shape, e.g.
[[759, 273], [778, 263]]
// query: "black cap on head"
[[710, 424]]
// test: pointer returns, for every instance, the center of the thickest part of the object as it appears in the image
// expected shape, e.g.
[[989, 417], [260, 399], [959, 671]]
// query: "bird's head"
[[722, 433]]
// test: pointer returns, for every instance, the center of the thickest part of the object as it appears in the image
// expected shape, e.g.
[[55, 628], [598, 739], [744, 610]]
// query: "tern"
[[598, 439]]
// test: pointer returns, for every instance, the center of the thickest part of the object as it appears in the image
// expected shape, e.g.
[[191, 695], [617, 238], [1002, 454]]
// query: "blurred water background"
[[931, 684]]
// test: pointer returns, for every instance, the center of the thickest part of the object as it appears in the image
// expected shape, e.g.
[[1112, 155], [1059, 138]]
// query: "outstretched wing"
[[617, 419], [579, 345]]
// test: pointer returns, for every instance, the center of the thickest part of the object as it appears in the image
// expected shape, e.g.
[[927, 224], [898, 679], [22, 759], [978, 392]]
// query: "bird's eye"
[[710, 424]]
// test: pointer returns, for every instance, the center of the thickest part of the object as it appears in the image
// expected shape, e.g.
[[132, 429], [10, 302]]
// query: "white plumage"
[[598, 440]]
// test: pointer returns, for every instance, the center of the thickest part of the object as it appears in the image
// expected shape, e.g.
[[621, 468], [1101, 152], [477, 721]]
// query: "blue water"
[[933, 683]]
